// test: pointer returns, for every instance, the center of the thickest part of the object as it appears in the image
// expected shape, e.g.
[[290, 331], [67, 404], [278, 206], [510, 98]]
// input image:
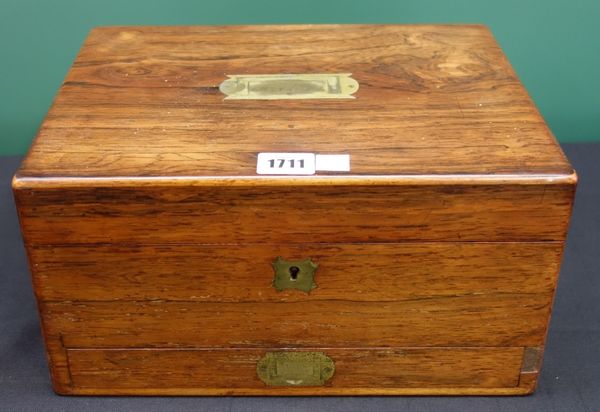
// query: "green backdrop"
[[554, 45]]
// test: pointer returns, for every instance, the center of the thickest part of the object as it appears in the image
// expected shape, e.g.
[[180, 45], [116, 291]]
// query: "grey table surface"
[[570, 378]]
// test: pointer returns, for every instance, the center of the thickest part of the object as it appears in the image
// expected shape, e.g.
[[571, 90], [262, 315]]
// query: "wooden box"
[[190, 233]]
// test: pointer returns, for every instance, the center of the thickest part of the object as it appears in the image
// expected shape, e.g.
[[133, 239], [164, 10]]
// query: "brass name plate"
[[289, 86], [295, 368]]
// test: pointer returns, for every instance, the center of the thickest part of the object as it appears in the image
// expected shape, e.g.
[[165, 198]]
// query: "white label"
[[300, 163], [285, 164], [333, 163]]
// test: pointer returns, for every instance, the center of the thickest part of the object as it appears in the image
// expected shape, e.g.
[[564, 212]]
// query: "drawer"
[[234, 371], [386, 272]]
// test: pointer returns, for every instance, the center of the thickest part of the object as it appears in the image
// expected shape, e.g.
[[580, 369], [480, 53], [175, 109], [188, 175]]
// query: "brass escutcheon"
[[294, 274]]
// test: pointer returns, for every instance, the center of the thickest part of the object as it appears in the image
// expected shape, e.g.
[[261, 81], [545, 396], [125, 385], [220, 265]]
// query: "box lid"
[[432, 102]]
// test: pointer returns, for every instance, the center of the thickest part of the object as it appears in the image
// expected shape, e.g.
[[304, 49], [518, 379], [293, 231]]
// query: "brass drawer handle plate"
[[295, 368], [291, 274], [289, 86]]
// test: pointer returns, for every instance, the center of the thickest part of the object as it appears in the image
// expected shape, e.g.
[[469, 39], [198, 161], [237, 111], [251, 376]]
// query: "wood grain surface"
[[292, 214], [517, 319], [235, 369], [381, 272], [144, 101]]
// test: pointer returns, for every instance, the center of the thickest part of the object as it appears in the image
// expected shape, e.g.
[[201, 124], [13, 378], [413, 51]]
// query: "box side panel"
[[55, 351]]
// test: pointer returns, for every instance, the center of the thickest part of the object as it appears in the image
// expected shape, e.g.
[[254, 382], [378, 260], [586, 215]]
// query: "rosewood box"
[[294, 210]]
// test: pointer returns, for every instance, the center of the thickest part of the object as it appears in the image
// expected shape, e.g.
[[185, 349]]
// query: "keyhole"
[[294, 272]]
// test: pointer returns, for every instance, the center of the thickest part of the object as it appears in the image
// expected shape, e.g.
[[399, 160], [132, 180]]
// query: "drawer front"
[[234, 371], [346, 272], [295, 215]]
